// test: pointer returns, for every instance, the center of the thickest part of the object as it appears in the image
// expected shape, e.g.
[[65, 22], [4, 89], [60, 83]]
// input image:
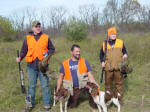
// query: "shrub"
[[75, 30], [7, 31]]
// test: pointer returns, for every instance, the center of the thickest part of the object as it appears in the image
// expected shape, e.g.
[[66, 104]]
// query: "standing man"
[[115, 54], [36, 46], [75, 72]]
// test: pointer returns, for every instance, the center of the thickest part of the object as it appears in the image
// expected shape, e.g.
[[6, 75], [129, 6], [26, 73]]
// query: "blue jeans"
[[33, 74]]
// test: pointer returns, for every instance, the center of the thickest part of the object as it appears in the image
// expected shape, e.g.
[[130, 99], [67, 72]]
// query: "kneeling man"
[[75, 72]]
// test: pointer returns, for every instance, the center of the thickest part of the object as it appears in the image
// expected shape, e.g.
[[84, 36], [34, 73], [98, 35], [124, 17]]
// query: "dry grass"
[[137, 89]]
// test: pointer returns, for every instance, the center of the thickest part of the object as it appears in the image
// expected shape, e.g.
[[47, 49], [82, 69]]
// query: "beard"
[[76, 56]]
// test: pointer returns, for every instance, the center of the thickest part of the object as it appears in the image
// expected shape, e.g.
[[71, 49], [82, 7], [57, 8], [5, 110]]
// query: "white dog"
[[99, 97]]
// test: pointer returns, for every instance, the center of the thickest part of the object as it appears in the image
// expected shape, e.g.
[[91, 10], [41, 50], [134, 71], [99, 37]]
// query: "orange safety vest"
[[114, 56], [36, 49], [81, 67], [118, 44]]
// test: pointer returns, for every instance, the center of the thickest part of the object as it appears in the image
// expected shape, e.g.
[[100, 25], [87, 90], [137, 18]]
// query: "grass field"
[[137, 85]]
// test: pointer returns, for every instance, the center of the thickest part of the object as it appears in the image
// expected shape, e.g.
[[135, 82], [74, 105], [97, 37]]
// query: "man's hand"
[[103, 64], [18, 59], [59, 81], [125, 56]]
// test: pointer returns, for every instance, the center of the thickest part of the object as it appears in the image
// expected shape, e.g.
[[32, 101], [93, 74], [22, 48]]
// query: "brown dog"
[[62, 95]]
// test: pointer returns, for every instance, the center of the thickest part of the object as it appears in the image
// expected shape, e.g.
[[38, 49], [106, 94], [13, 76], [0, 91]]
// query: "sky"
[[9, 6]]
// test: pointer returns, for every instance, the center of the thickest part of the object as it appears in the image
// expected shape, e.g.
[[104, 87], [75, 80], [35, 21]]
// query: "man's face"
[[76, 53], [113, 37], [37, 29]]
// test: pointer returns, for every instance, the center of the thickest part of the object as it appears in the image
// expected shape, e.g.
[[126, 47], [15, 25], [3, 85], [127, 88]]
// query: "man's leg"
[[32, 76], [109, 77], [46, 89], [73, 100], [119, 84]]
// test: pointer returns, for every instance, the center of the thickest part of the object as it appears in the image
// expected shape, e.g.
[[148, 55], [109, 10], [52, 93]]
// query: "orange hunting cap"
[[112, 31]]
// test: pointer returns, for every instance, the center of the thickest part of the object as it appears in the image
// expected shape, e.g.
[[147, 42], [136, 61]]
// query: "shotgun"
[[21, 76], [101, 80], [27, 103]]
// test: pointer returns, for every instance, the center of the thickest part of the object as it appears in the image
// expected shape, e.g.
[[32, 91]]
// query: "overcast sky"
[[8, 6]]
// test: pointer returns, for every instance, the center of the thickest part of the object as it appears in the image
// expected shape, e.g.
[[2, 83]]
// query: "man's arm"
[[61, 76], [92, 79], [24, 49], [90, 76], [101, 56], [51, 48], [124, 51], [23, 52], [59, 81]]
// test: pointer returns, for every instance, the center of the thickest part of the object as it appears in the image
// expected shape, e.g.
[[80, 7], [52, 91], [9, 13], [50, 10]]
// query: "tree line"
[[126, 15]]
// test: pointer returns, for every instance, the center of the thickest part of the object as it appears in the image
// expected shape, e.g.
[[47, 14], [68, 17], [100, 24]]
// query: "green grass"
[[137, 89]]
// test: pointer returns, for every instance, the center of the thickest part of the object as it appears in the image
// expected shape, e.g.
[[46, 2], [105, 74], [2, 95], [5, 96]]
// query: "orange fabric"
[[67, 75], [36, 49], [118, 44], [99, 95], [112, 31], [81, 66]]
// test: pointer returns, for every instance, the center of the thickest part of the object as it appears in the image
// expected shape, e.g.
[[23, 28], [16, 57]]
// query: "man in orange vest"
[[75, 72], [36, 46], [115, 54]]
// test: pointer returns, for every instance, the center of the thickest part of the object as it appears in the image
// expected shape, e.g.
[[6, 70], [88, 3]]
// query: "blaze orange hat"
[[112, 31]]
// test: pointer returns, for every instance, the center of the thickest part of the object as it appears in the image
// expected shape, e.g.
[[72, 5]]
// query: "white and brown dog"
[[62, 96], [99, 97]]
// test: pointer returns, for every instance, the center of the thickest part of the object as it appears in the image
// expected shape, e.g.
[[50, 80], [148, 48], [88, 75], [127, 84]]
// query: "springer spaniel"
[[62, 96], [100, 99]]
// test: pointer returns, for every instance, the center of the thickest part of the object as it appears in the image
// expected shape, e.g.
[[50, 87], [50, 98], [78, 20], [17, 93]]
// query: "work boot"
[[47, 108], [28, 107]]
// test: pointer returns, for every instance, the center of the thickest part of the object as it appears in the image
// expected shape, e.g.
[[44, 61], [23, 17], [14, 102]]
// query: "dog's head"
[[62, 93], [93, 89]]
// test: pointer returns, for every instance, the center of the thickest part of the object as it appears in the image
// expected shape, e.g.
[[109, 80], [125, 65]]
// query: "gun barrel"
[[21, 76], [102, 75]]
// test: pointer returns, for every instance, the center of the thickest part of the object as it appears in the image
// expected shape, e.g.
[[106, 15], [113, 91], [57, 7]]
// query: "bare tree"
[[18, 20], [56, 17], [90, 14], [110, 13], [31, 14]]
